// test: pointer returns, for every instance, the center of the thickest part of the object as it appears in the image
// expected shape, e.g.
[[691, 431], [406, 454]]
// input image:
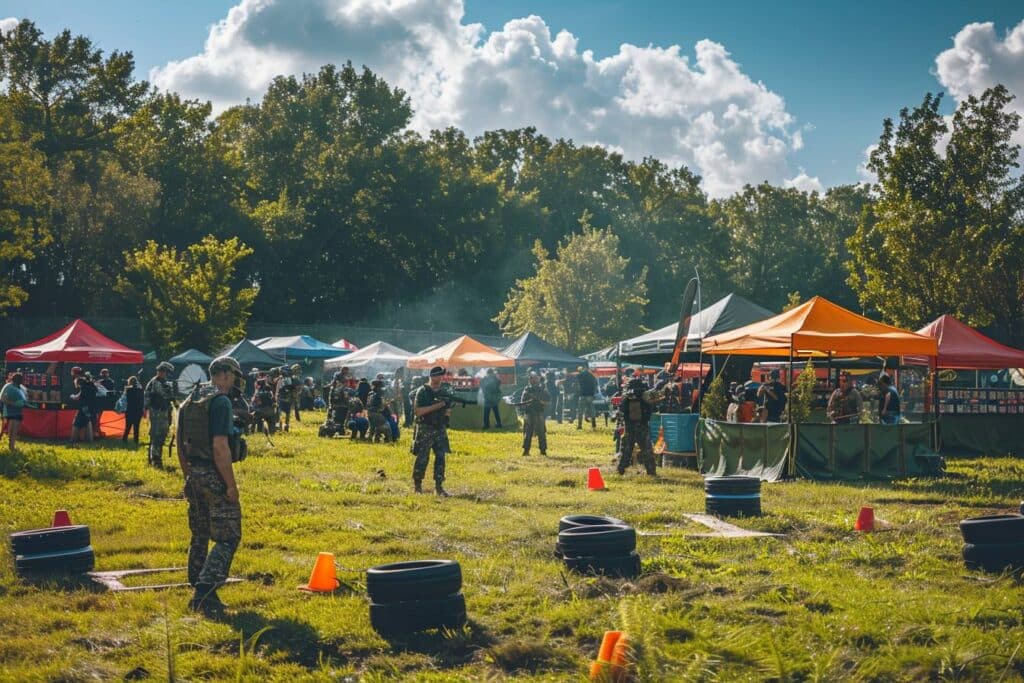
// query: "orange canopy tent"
[[816, 328], [464, 352]]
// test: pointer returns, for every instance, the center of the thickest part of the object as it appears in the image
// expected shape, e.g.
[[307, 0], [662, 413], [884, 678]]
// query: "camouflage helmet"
[[165, 366], [296, 367], [225, 364]]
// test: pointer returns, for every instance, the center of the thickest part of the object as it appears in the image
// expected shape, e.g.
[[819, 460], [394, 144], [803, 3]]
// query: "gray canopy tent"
[[529, 349], [728, 313]]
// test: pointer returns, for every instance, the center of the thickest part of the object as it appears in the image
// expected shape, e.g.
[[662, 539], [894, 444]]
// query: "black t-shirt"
[[894, 401], [587, 384], [87, 395], [776, 405]]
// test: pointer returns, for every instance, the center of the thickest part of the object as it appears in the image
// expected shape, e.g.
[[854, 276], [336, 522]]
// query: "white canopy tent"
[[377, 357]]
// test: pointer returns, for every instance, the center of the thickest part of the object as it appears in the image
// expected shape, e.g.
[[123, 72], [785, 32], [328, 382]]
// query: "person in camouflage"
[[534, 402], [285, 396], [635, 411], [431, 432], [296, 389], [337, 402], [159, 401], [376, 410], [214, 512]]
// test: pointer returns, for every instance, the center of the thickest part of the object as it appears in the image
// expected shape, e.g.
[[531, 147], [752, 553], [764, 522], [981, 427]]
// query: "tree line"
[[318, 202]]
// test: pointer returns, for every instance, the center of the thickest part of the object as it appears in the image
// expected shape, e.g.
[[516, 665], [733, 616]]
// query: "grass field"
[[822, 603]]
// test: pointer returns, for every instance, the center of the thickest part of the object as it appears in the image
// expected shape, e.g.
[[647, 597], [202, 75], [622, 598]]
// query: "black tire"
[[76, 561], [732, 485], [396, 618], [573, 521], [733, 507], [621, 566], [417, 580], [600, 540], [993, 529], [994, 557], [50, 540]]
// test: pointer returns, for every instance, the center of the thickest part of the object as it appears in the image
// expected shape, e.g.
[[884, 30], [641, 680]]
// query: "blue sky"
[[837, 68]]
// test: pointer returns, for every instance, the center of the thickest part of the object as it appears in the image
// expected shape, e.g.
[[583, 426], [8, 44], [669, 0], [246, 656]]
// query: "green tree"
[[24, 190], [946, 234], [715, 404], [801, 398], [582, 298], [190, 298]]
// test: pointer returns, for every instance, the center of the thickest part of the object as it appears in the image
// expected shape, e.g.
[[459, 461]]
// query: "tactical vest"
[[159, 394], [265, 401], [635, 410], [194, 427], [434, 419], [338, 396], [375, 402]]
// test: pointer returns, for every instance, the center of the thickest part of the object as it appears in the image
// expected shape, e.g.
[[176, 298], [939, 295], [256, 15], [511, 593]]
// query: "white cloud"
[[705, 113], [979, 59], [804, 182], [865, 174], [8, 23]]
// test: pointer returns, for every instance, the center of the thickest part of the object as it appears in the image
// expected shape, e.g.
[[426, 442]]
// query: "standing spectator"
[[571, 389], [306, 395], [558, 398], [845, 403], [888, 401], [85, 397], [159, 400], [491, 387], [297, 385], [396, 395], [12, 396], [105, 381], [134, 401], [773, 397], [534, 401], [587, 386], [550, 380]]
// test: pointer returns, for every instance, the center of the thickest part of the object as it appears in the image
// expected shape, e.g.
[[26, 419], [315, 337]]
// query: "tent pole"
[[831, 384], [789, 383]]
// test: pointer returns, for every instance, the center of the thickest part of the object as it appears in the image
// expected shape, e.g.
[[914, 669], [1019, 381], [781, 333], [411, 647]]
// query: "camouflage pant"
[[379, 427], [159, 426], [585, 411], [429, 437], [533, 423], [639, 434], [338, 416], [286, 413], [211, 517]]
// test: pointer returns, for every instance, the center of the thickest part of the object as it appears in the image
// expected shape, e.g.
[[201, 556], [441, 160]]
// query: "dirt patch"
[[659, 583], [533, 657]]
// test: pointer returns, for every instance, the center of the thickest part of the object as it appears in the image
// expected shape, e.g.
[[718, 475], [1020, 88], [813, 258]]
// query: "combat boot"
[[206, 601], [417, 485], [439, 491]]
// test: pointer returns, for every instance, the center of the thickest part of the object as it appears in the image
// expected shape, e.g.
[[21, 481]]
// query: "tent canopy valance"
[[961, 347], [78, 342], [728, 313], [464, 352], [529, 349], [379, 356], [815, 328]]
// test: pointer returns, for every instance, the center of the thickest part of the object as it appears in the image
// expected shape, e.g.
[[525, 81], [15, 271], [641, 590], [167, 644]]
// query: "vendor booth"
[[249, 356], [975, 419], [46, 365], [529, 350], [369, 360], [467, 354], [818, 329], [307, 351]]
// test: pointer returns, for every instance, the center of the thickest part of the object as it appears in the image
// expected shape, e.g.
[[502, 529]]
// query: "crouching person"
[[208, 442]]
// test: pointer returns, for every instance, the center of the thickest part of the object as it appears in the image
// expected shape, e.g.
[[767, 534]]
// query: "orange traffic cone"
[[595, 482], [865, 520], [622, 665], [322, 580], [61, 518], [600, 670]]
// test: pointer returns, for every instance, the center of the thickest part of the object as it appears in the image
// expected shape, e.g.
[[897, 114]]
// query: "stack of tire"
[[994, 543], [62, 550], [407, 597], [732, 496], [593, 544]]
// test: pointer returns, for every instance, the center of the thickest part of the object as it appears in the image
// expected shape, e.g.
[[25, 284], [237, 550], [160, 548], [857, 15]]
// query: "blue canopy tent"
[[298, 348]]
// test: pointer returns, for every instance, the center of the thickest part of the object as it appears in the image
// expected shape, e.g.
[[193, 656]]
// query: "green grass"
[[823, 603]]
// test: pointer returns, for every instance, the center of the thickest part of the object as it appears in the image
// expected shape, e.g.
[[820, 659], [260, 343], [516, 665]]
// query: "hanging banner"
[[685, 315]]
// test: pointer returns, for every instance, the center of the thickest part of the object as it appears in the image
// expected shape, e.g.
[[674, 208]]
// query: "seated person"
[[358, 422]]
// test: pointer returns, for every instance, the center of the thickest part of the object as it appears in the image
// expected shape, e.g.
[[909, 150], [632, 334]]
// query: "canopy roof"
[[249, 355], [816, 327], [345, 344], [78, 342], [190, 356], [464, 352], [299, 346], [606, 355], [529, 349], [961, 347], [379, 356], [728, 313]]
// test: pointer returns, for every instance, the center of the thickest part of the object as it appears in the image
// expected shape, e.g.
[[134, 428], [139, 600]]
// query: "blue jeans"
[[487, 415], [890, 418]]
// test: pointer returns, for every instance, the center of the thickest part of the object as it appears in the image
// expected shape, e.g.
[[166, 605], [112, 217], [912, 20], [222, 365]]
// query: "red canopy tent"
[[79, 342], [49, 382], [961, 347]]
